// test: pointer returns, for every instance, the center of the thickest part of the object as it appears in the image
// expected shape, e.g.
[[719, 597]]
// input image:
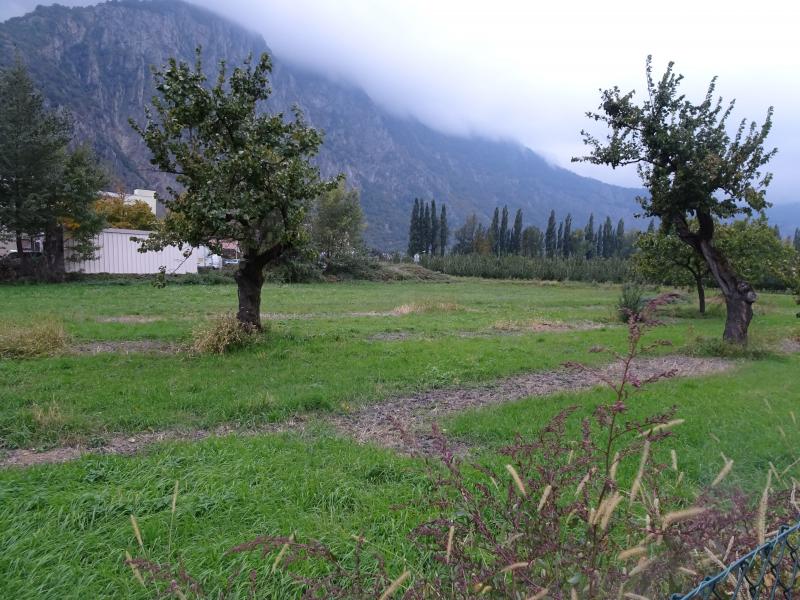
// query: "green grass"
[[64, 528], [323, 361]]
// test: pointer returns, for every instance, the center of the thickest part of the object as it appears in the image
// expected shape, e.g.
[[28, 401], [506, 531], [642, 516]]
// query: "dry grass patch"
[[44, 338], [48, 416], [426, 307], [538, 325], [129, 319], [220, 335]]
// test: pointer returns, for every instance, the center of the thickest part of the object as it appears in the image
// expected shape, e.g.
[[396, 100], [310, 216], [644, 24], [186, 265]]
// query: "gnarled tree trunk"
[[249, 280], [739, 294]]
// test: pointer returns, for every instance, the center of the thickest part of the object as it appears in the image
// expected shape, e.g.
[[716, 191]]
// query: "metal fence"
[[770, 571]]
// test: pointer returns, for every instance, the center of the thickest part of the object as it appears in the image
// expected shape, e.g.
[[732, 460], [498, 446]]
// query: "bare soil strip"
[[126, 347], [377, 423], [129, 319]]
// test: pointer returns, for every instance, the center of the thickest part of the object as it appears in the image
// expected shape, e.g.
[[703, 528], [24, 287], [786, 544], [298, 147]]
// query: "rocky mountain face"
[[96, 62]]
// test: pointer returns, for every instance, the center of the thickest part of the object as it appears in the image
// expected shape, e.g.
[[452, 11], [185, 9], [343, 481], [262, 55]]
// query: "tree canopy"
[[692, 168], [243, 175], [46, 188]]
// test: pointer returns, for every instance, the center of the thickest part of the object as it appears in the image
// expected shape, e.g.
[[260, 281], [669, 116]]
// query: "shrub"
[[220, 335], [45, 338], [631, 301]]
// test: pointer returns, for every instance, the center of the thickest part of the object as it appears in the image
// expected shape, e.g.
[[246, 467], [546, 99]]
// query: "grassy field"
[[331, 348]]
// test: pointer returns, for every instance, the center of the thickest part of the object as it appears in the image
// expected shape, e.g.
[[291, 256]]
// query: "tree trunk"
[[54, 254], [24, 258], [250, 279], [739, 295], [701, 293]]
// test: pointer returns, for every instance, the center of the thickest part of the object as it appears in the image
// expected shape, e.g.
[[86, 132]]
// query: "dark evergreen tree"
[[444, 231], [560, 240], [413, 230], [494, 232], [566, 247], [434, 229], [426, 228], [651, 227], [619, 238], [608, 239], [550, 239], [516, 237], [504, 235], [797, 239], [588, 236], [43, 184]]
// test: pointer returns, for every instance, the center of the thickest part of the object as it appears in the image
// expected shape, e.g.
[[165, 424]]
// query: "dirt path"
[[376, 423]]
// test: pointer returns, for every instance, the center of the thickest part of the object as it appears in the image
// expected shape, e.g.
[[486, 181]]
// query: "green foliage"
[[692, 169], [683, 152], [522, 267], [758, 254], [750, 245], [428, 231], [337, 223], [631, 301], [47, 189], [117, 213], [246, 176]]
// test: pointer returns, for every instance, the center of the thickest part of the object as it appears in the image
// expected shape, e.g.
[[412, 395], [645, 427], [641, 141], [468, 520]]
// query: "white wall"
[[116, 253]]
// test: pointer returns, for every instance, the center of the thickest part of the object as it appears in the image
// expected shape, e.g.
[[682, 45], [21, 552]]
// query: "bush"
[[630, 301], [220, 335], [44, 338]]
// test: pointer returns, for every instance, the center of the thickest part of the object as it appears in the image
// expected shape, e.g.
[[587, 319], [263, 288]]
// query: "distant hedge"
[[613, 270]]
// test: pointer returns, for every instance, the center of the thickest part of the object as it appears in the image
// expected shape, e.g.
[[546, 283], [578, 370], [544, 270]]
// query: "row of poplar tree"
[[428, 232], [559, 239]]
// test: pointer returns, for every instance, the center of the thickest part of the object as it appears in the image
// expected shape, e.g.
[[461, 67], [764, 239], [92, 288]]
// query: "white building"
[[117, 253]]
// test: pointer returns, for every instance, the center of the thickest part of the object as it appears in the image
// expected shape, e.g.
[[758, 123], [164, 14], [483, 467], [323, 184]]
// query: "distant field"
[[331, 349]]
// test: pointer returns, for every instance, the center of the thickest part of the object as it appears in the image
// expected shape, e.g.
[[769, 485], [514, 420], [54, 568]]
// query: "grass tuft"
[[221, 334], [43, 338]]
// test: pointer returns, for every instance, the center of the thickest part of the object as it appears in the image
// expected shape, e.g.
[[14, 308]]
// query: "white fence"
[[116, 253]]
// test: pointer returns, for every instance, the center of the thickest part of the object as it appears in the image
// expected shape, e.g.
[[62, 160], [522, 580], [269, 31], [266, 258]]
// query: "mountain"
[[95, 61]]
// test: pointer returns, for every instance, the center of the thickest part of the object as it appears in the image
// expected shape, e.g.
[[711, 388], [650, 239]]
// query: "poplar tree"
[[516, 239], [588, 236], [567, 241], [434, 229], [425, 229], [413, 230], [550, 239], [444, 231], [494, 232]]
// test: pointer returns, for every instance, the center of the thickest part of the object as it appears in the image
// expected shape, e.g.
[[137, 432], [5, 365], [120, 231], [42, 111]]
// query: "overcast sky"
[[515, 70]]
